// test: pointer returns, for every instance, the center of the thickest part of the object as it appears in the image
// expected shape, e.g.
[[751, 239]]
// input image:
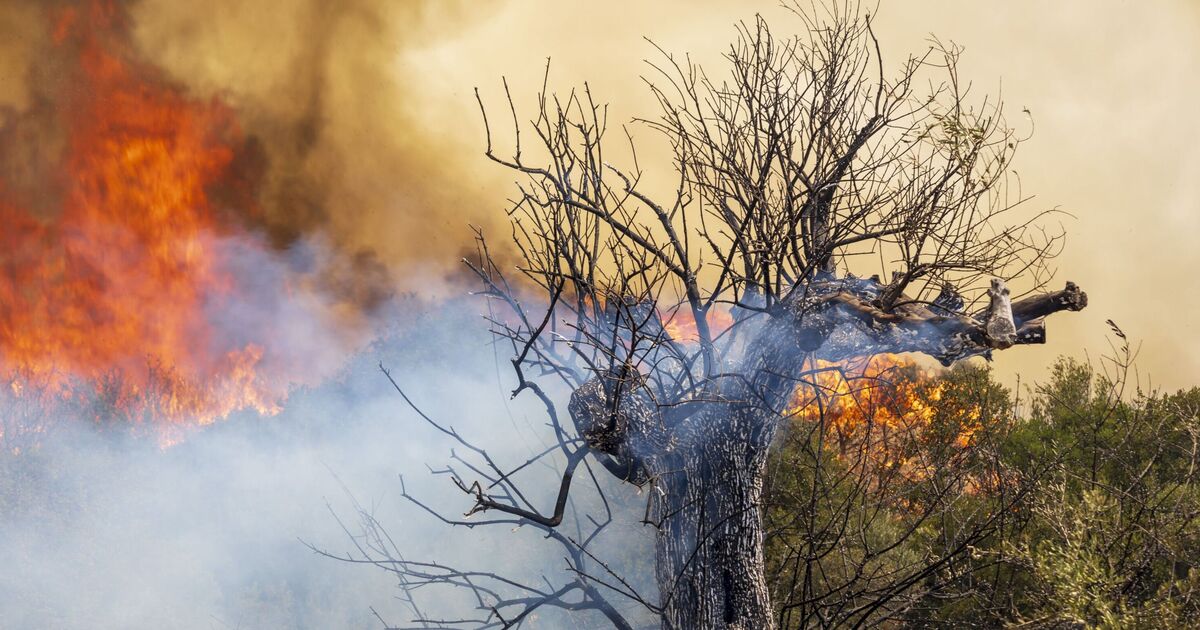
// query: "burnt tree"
[[805, 163]]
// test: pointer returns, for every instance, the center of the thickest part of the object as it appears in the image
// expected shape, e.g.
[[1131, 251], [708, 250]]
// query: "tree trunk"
[[705, 476], [704, 461], [709, 548]]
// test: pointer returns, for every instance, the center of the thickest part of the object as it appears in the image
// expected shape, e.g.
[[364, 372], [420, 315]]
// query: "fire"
[[115, 283], [884, 409], [680, 324]]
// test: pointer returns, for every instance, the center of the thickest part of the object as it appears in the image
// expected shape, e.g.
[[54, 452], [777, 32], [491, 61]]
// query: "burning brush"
[[128, 276]]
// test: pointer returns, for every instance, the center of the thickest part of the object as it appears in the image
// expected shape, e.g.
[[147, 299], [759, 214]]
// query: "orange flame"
[[680, 324], [882, 408], [115, 287]]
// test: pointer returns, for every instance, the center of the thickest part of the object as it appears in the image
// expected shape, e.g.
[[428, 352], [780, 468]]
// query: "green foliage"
[[1114, 542], [1077, 507]]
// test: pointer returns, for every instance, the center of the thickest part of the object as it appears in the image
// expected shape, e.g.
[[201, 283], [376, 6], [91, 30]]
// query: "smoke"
[[326, 92], [353, 195], [173, 185], [367, 127], [103, 530], [324, 96]]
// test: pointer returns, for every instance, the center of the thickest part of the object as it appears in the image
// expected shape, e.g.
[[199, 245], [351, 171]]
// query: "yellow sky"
[[1114, 88], [396, 165]]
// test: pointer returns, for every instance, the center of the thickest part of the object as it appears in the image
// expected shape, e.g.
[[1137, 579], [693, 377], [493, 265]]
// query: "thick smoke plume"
[[325, 91], [99, 530], [323, 94]]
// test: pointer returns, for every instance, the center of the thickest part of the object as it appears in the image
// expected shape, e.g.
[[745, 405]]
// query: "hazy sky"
[[396, 167], [1113, 87]]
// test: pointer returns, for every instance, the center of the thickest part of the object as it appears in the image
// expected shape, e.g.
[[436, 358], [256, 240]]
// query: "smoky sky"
[[364, 115], [1111, 88]]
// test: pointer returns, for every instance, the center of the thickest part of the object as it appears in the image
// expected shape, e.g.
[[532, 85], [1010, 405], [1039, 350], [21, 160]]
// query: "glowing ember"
[[116, 283]]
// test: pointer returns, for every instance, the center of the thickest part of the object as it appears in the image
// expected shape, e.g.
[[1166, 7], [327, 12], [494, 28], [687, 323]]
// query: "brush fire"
[[117, 287], [879, 407], [884, 409]]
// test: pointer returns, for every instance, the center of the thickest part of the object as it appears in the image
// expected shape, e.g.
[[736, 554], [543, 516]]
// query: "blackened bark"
[[705, 470], [706, 484], [709, 539]]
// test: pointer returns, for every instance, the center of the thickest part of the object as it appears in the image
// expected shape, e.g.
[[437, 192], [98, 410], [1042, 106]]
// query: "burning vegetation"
[[130, 281], [885, 410]]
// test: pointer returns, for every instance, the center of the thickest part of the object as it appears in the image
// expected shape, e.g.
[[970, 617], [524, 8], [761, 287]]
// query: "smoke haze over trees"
[[726, 371], [800, 156]]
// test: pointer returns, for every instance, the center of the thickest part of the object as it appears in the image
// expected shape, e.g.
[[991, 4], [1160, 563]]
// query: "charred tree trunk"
[[705, 461], [706, 487], [705, 468], [709, 539]]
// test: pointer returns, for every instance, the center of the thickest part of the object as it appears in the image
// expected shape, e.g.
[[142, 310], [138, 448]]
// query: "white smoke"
[[101, 530]]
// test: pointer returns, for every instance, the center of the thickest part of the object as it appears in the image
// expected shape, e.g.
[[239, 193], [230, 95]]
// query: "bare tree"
[[806, 162]]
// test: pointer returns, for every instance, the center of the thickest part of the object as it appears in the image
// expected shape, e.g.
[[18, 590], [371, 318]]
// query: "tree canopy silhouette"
[[682, 326]]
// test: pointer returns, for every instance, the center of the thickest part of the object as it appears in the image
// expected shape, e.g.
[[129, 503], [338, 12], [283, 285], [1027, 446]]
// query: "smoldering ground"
[[99, 529]]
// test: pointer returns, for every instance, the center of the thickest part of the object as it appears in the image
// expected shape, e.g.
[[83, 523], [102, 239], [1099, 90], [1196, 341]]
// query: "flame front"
[[883, 410], [115, 283]]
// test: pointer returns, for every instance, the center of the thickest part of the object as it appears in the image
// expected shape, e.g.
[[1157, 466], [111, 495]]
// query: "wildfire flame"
[[877, 410], [882, 408], [879, 407], [680, 324], [116, 284]]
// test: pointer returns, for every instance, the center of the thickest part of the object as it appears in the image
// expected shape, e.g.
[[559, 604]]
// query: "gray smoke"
[[101, 529]]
